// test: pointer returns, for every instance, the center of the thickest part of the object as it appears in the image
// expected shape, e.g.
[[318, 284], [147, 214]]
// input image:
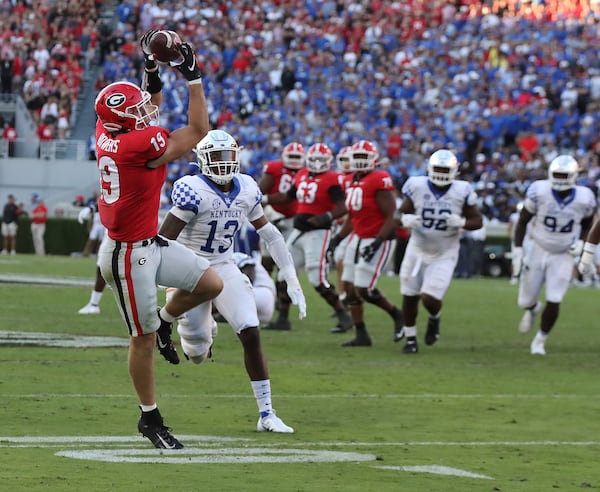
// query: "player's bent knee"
[[210, 284]]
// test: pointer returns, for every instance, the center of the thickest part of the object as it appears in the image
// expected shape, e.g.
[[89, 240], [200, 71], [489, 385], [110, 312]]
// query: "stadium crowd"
[[505, 84]]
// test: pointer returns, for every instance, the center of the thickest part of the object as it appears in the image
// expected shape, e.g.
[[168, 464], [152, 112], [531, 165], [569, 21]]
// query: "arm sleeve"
[[279, 252]]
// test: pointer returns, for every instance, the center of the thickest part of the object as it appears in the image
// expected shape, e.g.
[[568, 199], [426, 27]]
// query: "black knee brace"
[[373, 296]]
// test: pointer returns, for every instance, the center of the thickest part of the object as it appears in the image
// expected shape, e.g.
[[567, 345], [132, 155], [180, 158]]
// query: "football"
[[163, 45]]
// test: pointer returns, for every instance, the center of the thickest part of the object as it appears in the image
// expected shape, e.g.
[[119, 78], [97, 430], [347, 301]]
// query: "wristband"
[[195, 81], [589, 248], [586, 258], [153, 81]]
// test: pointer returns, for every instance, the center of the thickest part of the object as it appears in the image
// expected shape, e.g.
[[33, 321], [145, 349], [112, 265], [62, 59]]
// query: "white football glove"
[[576, 248], [84, 213], [517, 260], [586, 262], [411, 221], [455, 220], [296, 295]]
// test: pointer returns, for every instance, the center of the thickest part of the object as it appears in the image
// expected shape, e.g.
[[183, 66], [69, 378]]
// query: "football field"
[[474, 412]]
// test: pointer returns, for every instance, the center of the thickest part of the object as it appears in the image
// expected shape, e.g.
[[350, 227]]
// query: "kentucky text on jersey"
[[228, 214], [108, 144]]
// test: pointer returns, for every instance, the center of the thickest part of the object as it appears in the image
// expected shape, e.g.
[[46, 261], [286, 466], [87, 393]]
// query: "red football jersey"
[[312, 192], [130, 196], [362, 206], [284, 179]]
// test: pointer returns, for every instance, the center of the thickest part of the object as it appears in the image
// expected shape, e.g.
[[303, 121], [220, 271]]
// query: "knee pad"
[[373, 296], [195, 347], [353, 301]]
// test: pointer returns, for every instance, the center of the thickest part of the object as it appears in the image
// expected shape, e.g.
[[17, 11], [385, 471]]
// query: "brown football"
[[163, 45]]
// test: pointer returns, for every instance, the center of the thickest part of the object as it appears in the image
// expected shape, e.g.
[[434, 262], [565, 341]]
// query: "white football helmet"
[[342, 160], [218, 156], [562, 172], [293, 156], [319, 158], [442, 167], [363, 156]]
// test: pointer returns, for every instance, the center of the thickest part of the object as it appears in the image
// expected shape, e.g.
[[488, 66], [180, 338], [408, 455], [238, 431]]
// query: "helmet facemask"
[[562, 173], [442, 168], [218, 156]]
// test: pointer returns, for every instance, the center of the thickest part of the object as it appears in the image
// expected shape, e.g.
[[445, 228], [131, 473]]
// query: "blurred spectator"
[[10, 217], [9, 133], [6, 72], [79, 201], [49, 111], [45, 133], [39, 217]]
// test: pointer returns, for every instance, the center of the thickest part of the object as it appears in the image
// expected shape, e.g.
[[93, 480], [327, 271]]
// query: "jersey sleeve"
[[408, 189], [151, 142], [186, 200], [254, 198], [531, 198], [270, 168], [384, 181], [471, 199], [590, 205]]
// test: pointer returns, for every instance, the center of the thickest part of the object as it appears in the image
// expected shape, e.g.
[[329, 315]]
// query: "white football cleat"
[[89, 309], [537, 346], [272, 423], [528, 318]]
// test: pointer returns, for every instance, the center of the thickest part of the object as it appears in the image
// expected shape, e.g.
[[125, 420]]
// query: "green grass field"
[[475, 412]]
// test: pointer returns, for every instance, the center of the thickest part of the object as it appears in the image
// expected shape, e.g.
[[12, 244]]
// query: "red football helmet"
[[319, 158], [293, 156], [124, 106], [363, 156], [343, 160]]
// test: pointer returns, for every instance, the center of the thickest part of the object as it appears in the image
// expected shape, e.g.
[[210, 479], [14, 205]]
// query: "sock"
[[410, 331], [262, 393], [95, 298], [436, 315], [541, 335], [148, 408], [361, 329], [166, 316]]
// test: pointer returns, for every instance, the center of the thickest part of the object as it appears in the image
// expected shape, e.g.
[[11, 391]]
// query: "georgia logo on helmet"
[[218, 156], [124, 106], [363, 156], [562, 172], [342, 160], [292, 155], [319, 158], [442, 167]]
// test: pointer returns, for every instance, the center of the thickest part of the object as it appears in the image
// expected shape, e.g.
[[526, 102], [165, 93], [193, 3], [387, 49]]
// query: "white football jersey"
[[433, 236], [213, 217], [558, 220]]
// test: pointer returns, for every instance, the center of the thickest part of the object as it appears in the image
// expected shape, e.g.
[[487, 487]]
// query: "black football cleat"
[[433, 331], [164, 342], [158, 434]]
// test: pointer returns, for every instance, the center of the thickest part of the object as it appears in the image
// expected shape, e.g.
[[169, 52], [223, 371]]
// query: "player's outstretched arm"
[[183, 140], [283, 259]]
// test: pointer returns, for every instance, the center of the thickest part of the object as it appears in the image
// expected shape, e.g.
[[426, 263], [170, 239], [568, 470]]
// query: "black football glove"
[[333, 243], [149, 61], [369, 251], [189, 68]]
